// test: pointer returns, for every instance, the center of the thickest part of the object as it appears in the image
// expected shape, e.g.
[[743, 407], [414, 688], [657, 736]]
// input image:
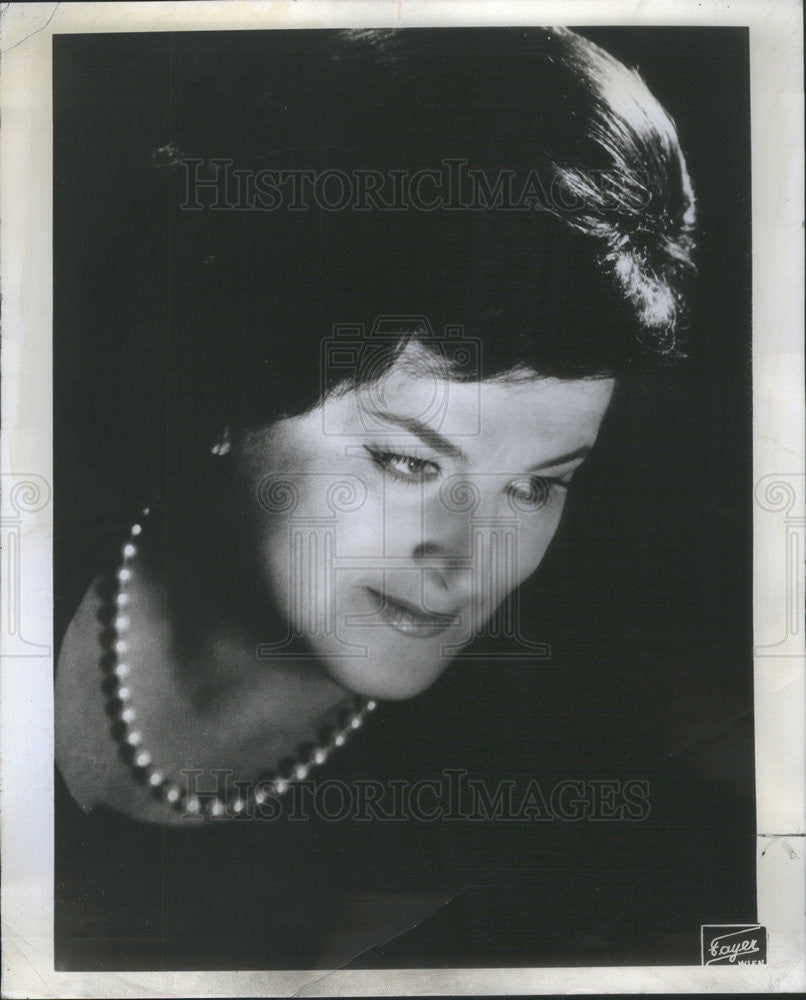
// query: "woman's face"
[[393, 520]]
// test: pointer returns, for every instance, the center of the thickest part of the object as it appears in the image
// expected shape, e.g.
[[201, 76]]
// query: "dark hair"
[[584, 278]]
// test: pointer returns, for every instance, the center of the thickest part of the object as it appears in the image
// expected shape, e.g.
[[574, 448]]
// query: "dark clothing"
[[447, 874]]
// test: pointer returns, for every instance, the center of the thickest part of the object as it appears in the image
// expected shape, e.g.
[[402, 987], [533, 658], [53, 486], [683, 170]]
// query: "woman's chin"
[[384, 680]]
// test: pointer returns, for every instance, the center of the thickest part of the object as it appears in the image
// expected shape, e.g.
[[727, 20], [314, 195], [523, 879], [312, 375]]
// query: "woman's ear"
[[223, 443]]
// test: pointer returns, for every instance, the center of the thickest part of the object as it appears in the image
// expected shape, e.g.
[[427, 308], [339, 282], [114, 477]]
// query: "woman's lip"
[[407, 618]]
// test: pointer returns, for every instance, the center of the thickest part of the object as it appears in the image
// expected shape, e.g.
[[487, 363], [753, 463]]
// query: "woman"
[[387, 332]]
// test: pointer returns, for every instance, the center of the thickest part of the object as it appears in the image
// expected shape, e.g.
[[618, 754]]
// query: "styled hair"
[[565, 251]]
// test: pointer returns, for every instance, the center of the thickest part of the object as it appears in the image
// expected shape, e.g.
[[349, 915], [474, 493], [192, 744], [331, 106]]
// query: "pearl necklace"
[[115, 663]]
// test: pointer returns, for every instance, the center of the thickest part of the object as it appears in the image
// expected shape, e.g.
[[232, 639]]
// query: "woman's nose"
[[446, 521], [444, 541], [470, 532], [442, 547]]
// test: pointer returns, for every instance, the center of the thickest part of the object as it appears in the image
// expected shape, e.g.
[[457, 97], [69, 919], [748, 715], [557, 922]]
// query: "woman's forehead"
[[484, 399], [525, 415]]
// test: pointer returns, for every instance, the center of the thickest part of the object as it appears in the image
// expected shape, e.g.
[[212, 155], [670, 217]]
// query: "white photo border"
[[780, 491]]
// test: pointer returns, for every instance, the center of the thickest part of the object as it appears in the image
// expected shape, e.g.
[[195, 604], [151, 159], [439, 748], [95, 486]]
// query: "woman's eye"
[[533, 492], [406, 468]]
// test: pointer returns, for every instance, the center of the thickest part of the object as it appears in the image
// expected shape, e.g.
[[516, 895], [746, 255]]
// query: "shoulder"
[[83, 749]]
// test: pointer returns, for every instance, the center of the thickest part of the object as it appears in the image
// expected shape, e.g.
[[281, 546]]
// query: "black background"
[[645, 597]]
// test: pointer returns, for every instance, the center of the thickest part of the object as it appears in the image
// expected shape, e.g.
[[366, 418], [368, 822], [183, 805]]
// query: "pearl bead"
[[339, 740], [122, 599], [124, 575], [124, 693], [143, 759], [172, 794], [122, 622], [121, 646], [156, 778], [128, 715], [136, 529], [300, 772], [146, 511], [122, 670], [134, 738], [371, 705], [216, 807], [129, 550], [192, 805], [320, 756], [238, 806], [355, 722], [260, 796], [281, 786]]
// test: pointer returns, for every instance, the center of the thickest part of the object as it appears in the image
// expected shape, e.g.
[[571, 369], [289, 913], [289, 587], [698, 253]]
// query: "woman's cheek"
[[387, 524], [363, 533], [313, 552], [535, 538], [277, 563], [527, 543]]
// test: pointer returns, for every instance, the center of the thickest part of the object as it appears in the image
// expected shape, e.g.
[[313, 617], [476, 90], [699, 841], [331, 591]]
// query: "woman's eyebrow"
[[571, 456], [425, 433]]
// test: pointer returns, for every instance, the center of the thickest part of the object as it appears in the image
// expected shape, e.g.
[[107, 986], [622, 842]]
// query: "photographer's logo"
[[734, 944]]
